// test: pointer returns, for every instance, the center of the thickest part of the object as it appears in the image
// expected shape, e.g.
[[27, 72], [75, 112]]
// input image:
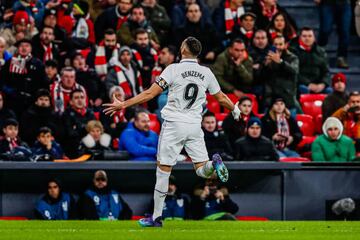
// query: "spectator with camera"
[[55, 204], [101, 202], [212, 201], [332, 145]]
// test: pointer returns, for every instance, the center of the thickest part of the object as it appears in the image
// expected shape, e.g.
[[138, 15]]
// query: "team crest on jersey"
[[96, 200], [65, 206], [180, 202]]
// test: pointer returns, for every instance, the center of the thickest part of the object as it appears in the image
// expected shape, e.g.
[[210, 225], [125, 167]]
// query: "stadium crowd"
[[60, 60]]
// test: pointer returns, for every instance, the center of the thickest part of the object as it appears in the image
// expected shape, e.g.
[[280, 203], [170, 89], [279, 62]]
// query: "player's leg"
[[169, 147]]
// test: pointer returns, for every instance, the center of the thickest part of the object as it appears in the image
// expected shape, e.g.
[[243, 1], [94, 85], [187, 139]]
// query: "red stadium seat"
[[154, 123], [294, 159], [220, 119], [311, 103], [212, 105], [115, 143], [318, 123], [97, 115], [234, 99], [306, 124], [304, 147], [7, 218]]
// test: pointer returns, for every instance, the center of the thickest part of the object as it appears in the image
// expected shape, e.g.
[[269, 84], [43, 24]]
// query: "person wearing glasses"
[[100, 202], [55, 204]]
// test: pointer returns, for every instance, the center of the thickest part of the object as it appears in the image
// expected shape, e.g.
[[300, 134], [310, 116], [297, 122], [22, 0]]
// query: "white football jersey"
[[188, 82]]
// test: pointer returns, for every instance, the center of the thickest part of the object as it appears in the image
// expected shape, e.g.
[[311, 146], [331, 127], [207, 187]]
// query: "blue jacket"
[[174, 207], [56, 152], [58, 210], [141, 145], [108, 206]]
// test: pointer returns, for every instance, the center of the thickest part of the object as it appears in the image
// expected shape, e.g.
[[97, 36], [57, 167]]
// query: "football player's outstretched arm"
[[225, 102], [143, 97]]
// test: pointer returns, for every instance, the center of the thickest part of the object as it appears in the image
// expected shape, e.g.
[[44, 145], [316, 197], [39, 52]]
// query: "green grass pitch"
[[192, 230]]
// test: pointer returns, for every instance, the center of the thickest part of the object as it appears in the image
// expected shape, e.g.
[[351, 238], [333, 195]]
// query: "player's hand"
[[113, 107], [236, 112]]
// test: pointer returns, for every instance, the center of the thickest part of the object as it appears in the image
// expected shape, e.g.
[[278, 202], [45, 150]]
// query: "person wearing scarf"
[[44, 47], [245, 31], [279, 126], [332, 145], [11, 140], [281, 26]]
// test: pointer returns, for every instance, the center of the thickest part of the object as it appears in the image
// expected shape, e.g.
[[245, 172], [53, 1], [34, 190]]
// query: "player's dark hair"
[[75, 91], [44, 130], [208, 114], [193, 45]]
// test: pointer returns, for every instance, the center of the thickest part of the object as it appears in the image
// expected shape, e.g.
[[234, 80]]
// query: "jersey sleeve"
[[213, 86], [166, 77]]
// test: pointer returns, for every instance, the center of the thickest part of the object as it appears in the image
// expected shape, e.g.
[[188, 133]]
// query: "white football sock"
[[206, 170], [160, 192]]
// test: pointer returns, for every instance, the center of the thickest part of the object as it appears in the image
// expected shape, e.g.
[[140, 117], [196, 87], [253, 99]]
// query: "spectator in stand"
[[21, 77], [124, 73], [245, 31], [313, 72], [212, 202], [176, 205], [51, 71], [237, 129], [138, 139], [106, 49], [96, 141], [60, 91], [338, 98], [254, 146], [114, 125], [281, 68], [4, 54], [338, 11], [332, 145], [215, 140], [178, 12], [158, 17], [101, 202], [204, 32], [265, 11], [258, 51], [145, 56], [75, 119], [349, 115], [55, 204], [87, 77], [137, 20], [34, 8], [233, 69], [227, 17], [5, 113], [280, 25], [43, 47], [11, 142], [22, 28], [279, 126], [38, 115], [46, 145], [113, 18], [97, 7]]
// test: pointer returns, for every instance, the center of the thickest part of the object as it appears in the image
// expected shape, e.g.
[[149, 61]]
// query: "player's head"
[[100, 179], [190, 47], [142, 120]]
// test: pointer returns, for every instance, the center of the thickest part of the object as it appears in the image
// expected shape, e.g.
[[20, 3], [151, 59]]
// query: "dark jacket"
[[55, 152], [178, 13], [159, 20], [87, 208], [313, 65], [38, 50], [258, 56], [5, 145], [269, 128], [92, 84], [6, 113], [74, 129], [255, 149], [232, 77], [235, 129], [125, 32], [216, 142], [333, 102], [20, 88], [204, 32], [281, 79], [36, 117]]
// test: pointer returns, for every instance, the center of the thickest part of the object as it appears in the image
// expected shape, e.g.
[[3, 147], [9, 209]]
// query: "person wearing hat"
[[34, 8], [55, 204], [11, 141], [22, 76], [124, 73], [349, 115], [332, 145], [245, 30], [338, 98], [100, 202], [40, 114], [281, 128], [254, 146]]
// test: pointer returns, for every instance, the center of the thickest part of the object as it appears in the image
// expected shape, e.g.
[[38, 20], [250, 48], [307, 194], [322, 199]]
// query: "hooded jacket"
[[325, 149]]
